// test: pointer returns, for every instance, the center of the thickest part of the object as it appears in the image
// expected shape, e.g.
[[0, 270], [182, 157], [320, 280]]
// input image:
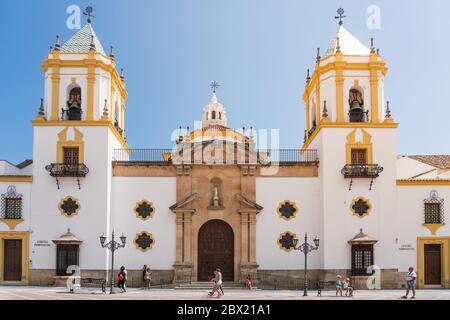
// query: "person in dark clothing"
[[122, 280]]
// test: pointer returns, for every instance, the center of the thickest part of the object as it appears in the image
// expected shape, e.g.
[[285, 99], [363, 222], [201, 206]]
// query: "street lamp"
[[306, 248], [112, 246]]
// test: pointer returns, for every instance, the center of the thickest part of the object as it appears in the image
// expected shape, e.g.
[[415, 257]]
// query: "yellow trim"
[[142, 233], [433, 227], [445, 259], [63, 142], [110, 68], [374, 117], [405, 182], [366, 201], [61, 202], [56, 80], [16, 235], [318, 102], [216, 133], [293, 234], [349, 125], [366, 144], [44, 123], [16, 179], [142, 202], [90, 62], [292, 203], [112, 106], [308, 113], [12, 223], [339, 95]]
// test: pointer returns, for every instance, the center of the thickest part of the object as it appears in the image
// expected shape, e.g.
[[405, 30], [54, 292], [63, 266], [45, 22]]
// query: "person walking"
[[220, 281], [411, 277], [217, 284], [339, 285], [147, 278], [248, 282], [122, 279], [144, 270]]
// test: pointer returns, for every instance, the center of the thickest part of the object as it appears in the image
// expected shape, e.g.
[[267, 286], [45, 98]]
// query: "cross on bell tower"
[[340, 16], [88, 12]]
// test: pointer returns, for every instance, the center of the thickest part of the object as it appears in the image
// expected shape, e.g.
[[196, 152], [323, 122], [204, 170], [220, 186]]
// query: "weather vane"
[[340, 16], [214, 85], [88, 12]]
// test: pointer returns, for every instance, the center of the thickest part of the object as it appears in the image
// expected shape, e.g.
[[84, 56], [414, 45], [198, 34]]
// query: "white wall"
[[47, 221], [339, 224], [410, 208], [126, 192], [269, 193]]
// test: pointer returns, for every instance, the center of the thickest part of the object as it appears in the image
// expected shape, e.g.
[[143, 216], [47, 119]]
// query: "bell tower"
[[351, 126], [81, 121]]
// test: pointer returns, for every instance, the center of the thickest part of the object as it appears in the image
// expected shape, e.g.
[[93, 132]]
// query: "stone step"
[[204, 285]]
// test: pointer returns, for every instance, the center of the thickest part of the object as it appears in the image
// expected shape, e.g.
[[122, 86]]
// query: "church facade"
[[215, 199]]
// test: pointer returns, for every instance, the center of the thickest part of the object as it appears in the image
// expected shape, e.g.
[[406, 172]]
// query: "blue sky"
[[257, 49]]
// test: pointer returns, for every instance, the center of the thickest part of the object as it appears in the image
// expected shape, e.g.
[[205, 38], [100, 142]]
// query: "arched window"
[[117, 117], [220, 115], [356, 106], [213, 115], [73, 103]]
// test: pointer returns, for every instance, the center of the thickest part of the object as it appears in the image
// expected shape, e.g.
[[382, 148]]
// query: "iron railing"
[[361, 170], [263, 157], [67, 169]]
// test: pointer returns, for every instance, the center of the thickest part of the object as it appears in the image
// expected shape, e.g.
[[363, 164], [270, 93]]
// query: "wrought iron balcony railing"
[[67, 169], [361, 170], [60, 170], [263, 157], [370, 171]]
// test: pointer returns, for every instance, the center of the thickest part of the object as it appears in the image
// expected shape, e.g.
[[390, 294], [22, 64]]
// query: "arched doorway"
[[215, 250]]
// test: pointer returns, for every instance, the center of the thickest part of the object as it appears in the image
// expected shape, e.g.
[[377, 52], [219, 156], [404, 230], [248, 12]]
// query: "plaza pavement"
[[52, 293]]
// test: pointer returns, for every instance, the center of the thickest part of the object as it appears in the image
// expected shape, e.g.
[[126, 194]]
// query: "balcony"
[[60, 170], [361, 170], [371, 171], [261, 157]]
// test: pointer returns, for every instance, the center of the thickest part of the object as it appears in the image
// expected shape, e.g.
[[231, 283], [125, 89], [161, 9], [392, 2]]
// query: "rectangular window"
[[359, 156], [66, 255], [13, 208], [433, 213], [362, 258], [71, 155]]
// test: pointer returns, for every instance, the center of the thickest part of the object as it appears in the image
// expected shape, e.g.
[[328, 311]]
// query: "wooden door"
[[215, 250], [433, 264], [13, 260]]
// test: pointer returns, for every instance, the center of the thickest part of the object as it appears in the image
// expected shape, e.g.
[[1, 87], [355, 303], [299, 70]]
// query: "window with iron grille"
[[11, 204], [71, 155], [358, 156], [66, 255], [362, 258], [434, 209]]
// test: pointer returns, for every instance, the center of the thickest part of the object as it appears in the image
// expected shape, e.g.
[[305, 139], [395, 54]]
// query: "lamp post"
[[112, 246], [306, 248]]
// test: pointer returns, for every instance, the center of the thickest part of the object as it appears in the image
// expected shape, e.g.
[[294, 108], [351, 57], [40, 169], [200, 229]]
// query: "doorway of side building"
[[433, 271], [215, 250], [12, 255]]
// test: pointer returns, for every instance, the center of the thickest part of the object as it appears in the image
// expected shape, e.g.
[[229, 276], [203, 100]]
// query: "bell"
[[355, 106]]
